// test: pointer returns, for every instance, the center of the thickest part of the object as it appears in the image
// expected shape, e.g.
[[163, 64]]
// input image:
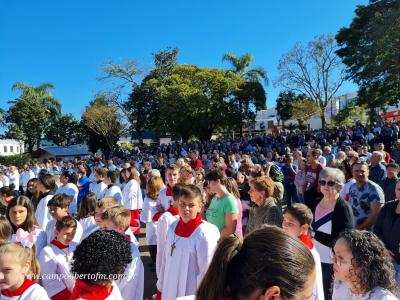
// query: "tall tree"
[[65, 130], [104, 120], [251, 95], [194, 101], [30, 113], [284, 105], [143, 102], [314, 70], [370, 49]]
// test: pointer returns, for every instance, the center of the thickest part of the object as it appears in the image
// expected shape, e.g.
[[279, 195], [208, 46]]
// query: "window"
[[5, 149], [11, 148]]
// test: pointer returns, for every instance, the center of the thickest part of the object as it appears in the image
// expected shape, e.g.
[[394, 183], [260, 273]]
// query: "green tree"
[[370, 49], [65, 130], [143, 102], [194, 101], [314, 70], [30, 113], [284, 105], [304, 108], [351, 114], [251, 95], [104, 120]]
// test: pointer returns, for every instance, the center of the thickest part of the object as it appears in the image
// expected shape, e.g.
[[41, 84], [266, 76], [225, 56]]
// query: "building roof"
[[65, 151]]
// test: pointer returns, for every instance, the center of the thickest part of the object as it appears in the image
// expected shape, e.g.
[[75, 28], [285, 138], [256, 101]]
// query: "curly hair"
[[372, 263], [103, 252]]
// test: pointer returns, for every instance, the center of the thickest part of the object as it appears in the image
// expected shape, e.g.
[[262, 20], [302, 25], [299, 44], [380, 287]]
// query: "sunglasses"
[[328, 183]]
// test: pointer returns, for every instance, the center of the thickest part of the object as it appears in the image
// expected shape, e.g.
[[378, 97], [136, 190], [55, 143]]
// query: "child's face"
[[342, 257], [12, 272], [172, 177], [97, 216], [66, 235], [188, 208], [57, 212], [18, 215], [109, 225], [107, 181], [292, 226]]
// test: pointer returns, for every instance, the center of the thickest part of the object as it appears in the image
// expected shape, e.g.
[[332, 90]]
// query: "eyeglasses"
[[336, 260], [328, 183]]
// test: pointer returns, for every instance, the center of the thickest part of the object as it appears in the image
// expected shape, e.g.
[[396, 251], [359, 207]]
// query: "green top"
[[219, 208]]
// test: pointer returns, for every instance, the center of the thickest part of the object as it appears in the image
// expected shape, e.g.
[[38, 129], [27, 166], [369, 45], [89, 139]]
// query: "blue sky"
[[66, 42]]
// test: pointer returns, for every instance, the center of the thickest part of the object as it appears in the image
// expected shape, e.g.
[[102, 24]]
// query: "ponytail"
[[212, 286]]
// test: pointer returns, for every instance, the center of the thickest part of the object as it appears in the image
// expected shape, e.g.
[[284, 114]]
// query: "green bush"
[[17, 160]]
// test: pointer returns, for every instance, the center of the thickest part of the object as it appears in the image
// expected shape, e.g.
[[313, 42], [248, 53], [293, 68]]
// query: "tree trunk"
[[323, 121]]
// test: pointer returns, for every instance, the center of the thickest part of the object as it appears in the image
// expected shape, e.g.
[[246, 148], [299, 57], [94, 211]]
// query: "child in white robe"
[[55, 260], [17, 263], [58, 208], [190, 246], [86, 212], [153, 188], [99, 187], [20, 213], [112, 190], [164, 221], [92, 256], [297, 220], [164, 200], [132, 284], [46, 185]]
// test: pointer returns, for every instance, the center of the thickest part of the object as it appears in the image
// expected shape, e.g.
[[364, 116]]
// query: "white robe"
[[88, 225], [24, 178], [164, 200], [132, 285], [182, 272], [14, 178], [99, 189], [146, 216], [71, 190], [42, 213], [34, 292], [114, 191], [163, 224], [132, 195], [55, 269], [318, 286], [51, 231]]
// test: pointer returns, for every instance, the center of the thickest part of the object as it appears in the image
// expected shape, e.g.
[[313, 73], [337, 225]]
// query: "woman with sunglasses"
[[332, 215]]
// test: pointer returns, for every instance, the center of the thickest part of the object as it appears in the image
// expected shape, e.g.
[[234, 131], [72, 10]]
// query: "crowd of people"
[[304, 215]]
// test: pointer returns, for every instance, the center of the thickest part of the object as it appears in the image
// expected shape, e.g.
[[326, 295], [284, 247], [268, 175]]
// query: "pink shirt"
[[321, 212], [239, 230]]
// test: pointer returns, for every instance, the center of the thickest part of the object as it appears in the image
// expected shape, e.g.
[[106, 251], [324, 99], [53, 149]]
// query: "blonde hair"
[[118, 216], [107, 202], [23, 255], [6, 230], [153, 187]]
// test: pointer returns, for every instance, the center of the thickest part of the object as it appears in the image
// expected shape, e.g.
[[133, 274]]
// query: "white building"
[[11, 147]]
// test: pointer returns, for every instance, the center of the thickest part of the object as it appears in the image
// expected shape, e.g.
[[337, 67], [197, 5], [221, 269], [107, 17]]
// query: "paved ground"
[[149, 277]]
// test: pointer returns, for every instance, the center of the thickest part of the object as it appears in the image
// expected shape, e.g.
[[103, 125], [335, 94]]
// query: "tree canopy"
[[370, 49], [31, 113]]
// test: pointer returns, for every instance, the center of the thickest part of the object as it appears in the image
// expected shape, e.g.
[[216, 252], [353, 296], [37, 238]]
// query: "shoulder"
[[379, 293], [207, 230]]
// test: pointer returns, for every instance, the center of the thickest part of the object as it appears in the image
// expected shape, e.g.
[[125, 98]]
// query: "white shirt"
[[34, 292], [163, 224], [56, 261], [341, 291], [99, 188], [132, 285], [71, 190], [42, 213], [132, 195], [115, 192], [181, 273], [88, 226], [25, 177], [146, 216], [318, 286], [14, 178]]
